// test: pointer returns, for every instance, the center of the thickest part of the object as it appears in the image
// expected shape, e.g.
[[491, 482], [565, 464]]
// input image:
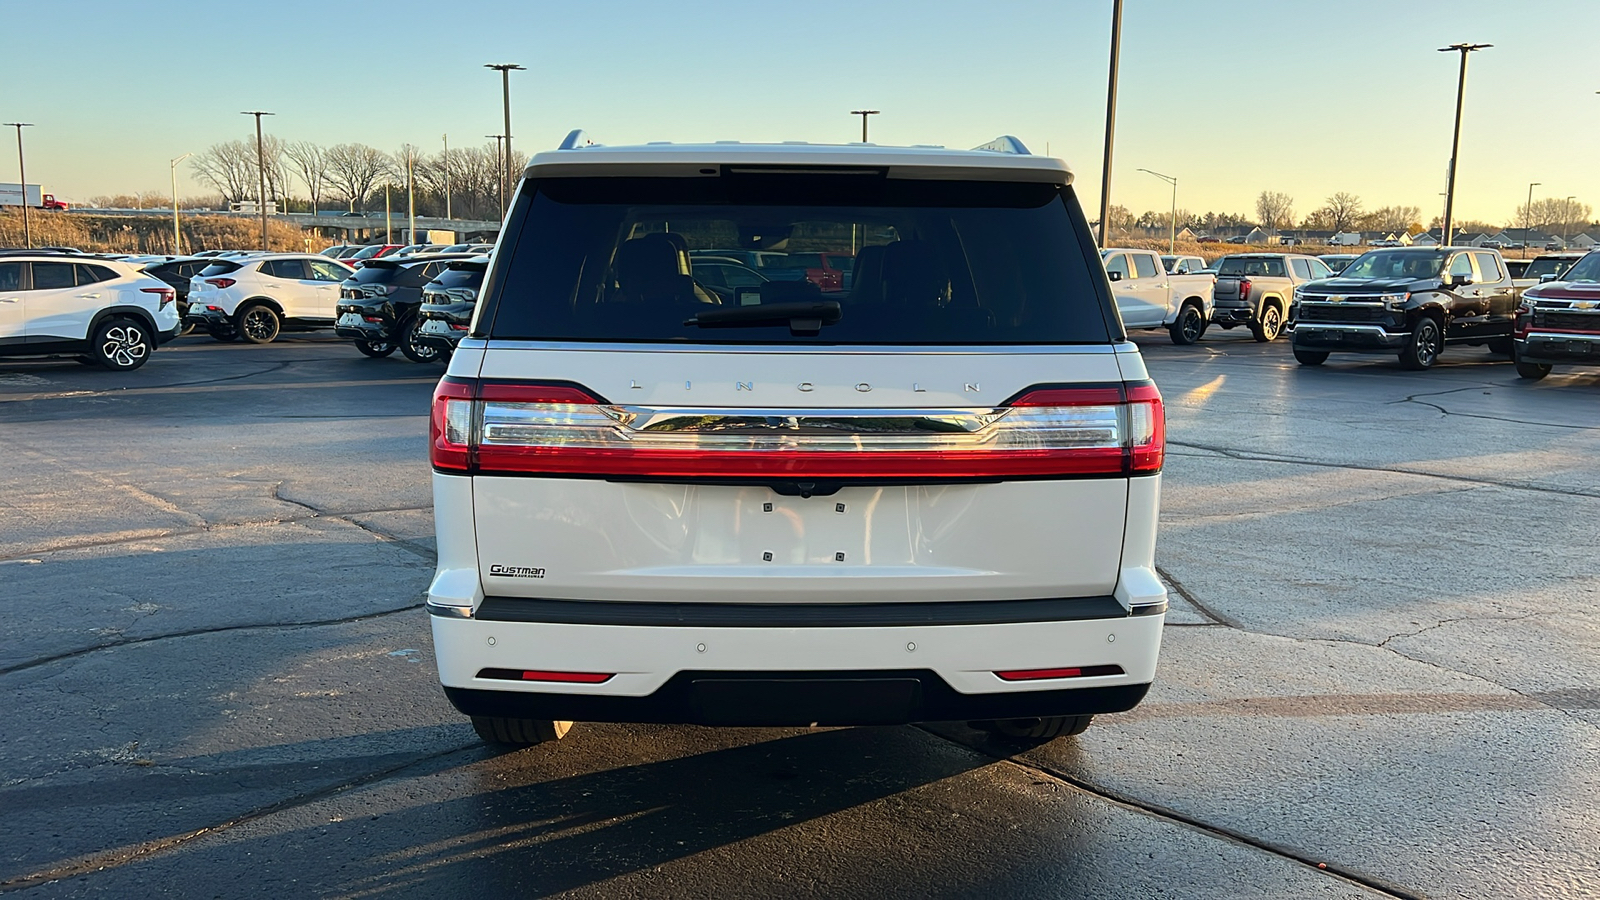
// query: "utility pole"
[[1566, 219], [499, 141], [1111, 120], [261, 171], [177, 236], [1172, 247], [447, 177], [388, 222], [1455, 142], [863, 113], [411, 197], [22, 172], [505, 70]]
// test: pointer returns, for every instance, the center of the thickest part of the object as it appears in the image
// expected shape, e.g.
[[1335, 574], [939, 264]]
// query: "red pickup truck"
[[1558, 322]]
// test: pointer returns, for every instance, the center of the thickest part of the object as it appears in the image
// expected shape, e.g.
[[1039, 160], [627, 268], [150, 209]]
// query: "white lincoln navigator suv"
[[917, 482]]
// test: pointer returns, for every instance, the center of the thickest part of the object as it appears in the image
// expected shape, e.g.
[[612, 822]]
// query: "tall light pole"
[[1527, 217], [505, 70], [22, 173], [1172, 247], [1566, 219], [177, 236], [499, 142], [1455, 142], [1111, 120], [447, 176], [411, 196], [261, 170], [863, 113]]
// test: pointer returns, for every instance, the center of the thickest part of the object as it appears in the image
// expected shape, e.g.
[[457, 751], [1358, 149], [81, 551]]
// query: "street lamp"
[[22, 172], [499, 140], [447, 176], [1527, 218], [505, 70], [863, 113], [411, 194], [261, 170], [1455, 143], [1566, 219], [1172, 247], [177, 236], [1111, 120]]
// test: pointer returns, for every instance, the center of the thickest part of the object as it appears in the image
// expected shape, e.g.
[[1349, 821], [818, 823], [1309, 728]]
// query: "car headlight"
[[1297, 295], [1395, 301]]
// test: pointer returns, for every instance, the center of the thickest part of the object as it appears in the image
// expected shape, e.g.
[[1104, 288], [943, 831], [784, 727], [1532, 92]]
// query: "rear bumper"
[[758, 675], [892, 697], [1357, 338], [1553, 348], [1233, 315]]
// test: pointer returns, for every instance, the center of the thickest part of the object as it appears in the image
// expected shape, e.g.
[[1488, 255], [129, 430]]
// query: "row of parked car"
[[1410, 301]]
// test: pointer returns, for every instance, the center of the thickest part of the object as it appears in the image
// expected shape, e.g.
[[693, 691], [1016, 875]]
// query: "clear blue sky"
[[1231, 96]]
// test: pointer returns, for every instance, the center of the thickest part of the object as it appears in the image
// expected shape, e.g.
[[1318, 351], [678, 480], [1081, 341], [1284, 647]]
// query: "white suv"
[[256, 297], [106, 312], [923, 491]]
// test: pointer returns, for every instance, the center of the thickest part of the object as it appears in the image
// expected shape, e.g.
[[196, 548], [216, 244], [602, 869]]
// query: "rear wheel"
[[1422, 351], [223, 333], [375, 349], [1532, 371], [1267, 325], [1310, 357], [411, 342], [1037, 729], [518, 732], [1188, 327], [121, 345], [185, 328], [259, 324], [1500, 346]]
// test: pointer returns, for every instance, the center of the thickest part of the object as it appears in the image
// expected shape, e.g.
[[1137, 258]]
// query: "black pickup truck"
[[1412, 301]]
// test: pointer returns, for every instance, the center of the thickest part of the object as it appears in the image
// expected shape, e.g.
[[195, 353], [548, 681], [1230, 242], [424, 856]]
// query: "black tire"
[[1268, 325], [411, 344], [518, 732], [185, 329], [1189, 326], [122, 345], [1040, 729], [258, 323], [1423, 349], [223, 333], [375, 349], [1310, 357], [1501, 346], [1532, 371]]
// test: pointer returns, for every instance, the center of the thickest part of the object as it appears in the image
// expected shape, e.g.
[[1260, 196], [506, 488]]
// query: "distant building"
[[1256, 236], [1582, 241]]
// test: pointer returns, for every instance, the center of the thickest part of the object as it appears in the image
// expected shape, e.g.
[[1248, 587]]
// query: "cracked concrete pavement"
[[1376, 679]]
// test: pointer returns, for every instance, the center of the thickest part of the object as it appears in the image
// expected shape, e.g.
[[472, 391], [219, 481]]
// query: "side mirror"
[[1114, 276], [1548, 276]]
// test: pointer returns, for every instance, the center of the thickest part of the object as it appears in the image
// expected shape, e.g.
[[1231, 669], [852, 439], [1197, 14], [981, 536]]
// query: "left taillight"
[[563, 429], [221, 283], [168, 295]]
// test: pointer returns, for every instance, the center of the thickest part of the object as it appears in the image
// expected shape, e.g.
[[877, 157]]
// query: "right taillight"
[[1244, 289], [528, 428], [221, 282]]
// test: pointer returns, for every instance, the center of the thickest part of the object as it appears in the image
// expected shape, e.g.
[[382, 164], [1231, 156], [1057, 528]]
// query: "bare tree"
[[1343, 210], [1554, 213], [230, 167], [1273, 208], [1391, 219], [354, 169], [311, 162]]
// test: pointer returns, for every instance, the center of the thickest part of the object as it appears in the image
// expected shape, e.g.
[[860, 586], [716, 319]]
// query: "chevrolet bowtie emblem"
[[1586, 304], [1336, 298]]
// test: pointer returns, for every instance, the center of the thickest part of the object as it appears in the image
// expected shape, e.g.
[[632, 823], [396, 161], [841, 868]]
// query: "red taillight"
[[1044, 674], [221, 282], [455, 327], [562, 429], [1244, 289], [537, 675], [168, 295]]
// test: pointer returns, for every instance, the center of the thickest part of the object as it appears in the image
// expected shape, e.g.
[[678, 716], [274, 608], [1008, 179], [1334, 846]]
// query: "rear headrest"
[[914, 275], [646, 259]]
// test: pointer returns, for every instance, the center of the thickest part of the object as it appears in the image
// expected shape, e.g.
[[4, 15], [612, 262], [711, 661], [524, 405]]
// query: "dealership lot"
[[216, 674]]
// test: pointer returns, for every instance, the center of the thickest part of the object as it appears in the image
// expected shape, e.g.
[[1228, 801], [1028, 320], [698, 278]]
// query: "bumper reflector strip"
[[1043, 674], [531, 675]]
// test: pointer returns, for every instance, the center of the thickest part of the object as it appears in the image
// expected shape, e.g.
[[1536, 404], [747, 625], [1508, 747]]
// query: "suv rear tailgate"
[[592, 538]]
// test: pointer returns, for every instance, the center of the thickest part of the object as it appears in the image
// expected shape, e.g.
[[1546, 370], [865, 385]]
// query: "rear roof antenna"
[[1005, 143], [576, 140]]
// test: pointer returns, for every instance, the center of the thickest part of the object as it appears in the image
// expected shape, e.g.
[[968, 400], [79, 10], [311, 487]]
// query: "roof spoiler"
[[1005, 143], [576, 140]]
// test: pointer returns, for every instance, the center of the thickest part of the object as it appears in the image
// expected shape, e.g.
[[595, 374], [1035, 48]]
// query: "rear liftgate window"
[[798, 259]]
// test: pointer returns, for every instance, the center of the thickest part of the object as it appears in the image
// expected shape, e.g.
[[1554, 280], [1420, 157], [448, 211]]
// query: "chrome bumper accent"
[[449, 612]]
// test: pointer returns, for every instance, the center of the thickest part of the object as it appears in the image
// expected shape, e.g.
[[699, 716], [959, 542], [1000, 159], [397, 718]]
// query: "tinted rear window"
[[911, 262], [1264, 266], [219, 268], [374, 274]]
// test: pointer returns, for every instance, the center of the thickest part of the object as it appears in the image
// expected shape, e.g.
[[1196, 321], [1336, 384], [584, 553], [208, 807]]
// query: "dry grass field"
[[148, 234]]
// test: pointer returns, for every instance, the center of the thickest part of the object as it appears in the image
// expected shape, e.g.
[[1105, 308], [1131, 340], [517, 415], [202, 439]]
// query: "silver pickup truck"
[[1148, 297], [1255, 289]]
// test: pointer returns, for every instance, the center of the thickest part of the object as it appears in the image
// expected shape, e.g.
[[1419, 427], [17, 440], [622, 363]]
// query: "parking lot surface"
[[216, 679]]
